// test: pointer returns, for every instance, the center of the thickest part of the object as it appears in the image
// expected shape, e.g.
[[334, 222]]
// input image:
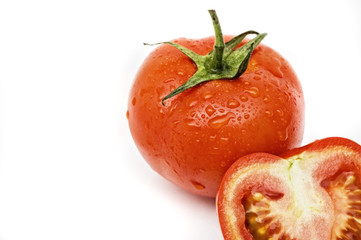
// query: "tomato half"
[[313, 192]]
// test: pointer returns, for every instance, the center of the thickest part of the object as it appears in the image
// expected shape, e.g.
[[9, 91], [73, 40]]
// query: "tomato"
[[196, 135], [313, 192]]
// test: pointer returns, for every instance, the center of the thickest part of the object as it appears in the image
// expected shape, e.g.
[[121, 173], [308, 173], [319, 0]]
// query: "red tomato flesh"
[[313, 192]]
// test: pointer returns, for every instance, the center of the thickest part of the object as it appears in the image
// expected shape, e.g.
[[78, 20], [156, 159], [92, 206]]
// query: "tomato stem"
[[217, 59], [223, 62]]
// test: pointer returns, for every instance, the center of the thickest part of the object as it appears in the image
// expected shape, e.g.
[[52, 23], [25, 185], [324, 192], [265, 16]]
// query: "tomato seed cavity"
[[345, 192], [259, 221]]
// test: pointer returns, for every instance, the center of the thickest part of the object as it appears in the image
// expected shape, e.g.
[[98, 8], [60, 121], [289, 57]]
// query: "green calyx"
[[223, 62]]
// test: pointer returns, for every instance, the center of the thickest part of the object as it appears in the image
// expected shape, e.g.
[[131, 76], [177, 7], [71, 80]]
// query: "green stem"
[[217, 59], [223, 62]]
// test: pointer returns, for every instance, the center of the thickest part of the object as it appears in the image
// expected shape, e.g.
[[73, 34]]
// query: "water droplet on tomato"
[[161, 111], [256, 77], [246, 116], [175, 123], [243, 131], [212, 138], [181, 73], [283, 135], [207, 95], [220, 121], [239, 118], [246, 83], [224, 139], [244, 98], [253, 92], [169, 80], [215, 149], [191, 123], [127, 114], [280, 112], [134, 100], [232, 103], [266, 98], [192, 102], [198, 185], [268, 113], [210, 110]]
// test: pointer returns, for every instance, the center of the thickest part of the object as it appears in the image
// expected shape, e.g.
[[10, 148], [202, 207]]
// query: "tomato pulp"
[[313, 192]]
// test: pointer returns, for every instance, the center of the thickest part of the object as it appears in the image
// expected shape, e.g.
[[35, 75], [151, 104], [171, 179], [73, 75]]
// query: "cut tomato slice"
[[313, 192]]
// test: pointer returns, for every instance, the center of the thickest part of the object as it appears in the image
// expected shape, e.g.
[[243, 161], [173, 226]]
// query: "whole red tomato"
[[313, 192], [194, 138]]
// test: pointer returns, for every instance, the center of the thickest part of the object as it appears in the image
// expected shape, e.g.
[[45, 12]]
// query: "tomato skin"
[[320, 160], [194, 139], [222, 201]]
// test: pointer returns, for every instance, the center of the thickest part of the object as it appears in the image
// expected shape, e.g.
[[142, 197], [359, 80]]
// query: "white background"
[[68, 166]]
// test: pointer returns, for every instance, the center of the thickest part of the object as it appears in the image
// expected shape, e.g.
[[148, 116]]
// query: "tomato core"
[[260, 221]]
